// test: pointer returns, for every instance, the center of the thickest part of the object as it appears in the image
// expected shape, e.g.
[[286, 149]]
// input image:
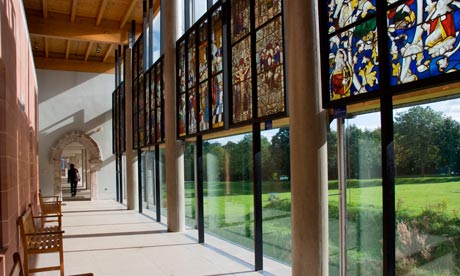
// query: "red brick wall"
[[18, 127]]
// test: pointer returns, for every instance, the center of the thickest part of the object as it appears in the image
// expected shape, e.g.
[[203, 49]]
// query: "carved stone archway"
[[94, 154]]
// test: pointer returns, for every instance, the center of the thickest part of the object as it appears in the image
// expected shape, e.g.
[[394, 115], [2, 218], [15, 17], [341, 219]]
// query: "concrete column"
[[174, 150], [308, 123], [131, 155]]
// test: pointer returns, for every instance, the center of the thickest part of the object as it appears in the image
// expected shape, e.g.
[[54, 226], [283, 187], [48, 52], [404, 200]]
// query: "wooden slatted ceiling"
[[65, 34]]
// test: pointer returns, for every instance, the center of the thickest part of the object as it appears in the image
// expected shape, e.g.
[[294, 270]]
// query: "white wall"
[[76, 101]]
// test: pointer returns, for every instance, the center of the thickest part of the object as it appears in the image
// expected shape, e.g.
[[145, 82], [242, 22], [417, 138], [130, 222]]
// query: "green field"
[[428, 208]]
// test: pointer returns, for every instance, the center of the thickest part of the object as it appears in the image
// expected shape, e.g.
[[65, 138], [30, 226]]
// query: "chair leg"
[[26, 264], [61, 259]]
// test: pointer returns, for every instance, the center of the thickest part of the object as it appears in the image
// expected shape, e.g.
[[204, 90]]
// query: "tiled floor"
[[104, 238]]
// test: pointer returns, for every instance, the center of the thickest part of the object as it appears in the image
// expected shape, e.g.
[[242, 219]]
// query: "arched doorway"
[[84, 151]]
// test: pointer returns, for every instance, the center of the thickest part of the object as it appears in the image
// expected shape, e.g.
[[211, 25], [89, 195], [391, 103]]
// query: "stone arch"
[[94, 154]]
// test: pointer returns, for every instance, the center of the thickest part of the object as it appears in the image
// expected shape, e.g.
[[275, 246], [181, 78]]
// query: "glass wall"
[[149, 180], [363, 195], [228, 189], [427, 161], [163, 198], [124, 184], [333, 201], [276, 194], [189, 182]]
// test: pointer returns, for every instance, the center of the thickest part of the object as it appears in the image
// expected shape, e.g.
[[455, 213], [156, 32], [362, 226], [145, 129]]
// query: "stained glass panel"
[[182, 61], [191, 60], [269, 56], [204, 106], [343, 13], [217, 101], [353, 66], [216, 40], [159, 96], [152, 125], [147, 110], [141, 55], [203, 51], [182, 115], [266, 10], [141, 111], [135, 60], [191, 111], [422, 40], [242, 88], [240, 24]]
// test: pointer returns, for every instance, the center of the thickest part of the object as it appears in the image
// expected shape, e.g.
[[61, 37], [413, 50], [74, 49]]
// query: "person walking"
[[73, 177]]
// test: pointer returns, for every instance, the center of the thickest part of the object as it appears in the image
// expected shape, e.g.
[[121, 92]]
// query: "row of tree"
[[426, 142]]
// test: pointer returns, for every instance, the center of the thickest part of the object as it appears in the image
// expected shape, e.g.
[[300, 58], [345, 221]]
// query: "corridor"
[[104, 238]]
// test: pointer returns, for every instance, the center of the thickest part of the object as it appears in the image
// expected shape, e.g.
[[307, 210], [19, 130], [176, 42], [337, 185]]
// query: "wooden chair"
[[17, 267], [40, 240], [49, 205]]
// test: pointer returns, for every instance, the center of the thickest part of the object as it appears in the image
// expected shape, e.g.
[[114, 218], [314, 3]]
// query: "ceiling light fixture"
[[98, 49], [35, 45]]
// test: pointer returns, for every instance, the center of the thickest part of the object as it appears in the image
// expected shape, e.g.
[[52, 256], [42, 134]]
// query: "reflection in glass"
[[228, 195], [276, 194], [364, 195], [204, 106], [240, 19], [427, 159], [242, 88], [270, 80], [423, 40], [189, 178], [353, 61]]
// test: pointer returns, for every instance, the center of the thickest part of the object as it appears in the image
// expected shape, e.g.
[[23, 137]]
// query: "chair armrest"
[[48, 216]]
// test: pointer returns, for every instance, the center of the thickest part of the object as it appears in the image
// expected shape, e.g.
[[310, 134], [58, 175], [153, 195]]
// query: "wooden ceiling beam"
[[74, 10], [45, 8], [46, 47], [101, 12], [128, 13], [107, 54], [58, 26], [67, 49], [88, 50], [74, 65]]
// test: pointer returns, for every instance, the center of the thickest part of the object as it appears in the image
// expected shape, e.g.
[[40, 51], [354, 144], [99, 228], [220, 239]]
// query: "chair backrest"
[[17, 266], [26, 222]]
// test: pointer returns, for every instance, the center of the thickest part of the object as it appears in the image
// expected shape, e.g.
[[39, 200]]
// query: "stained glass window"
[[141, 99], [204, 107], [266, 10], [191, 110], [217, 101], [343, 13], [135, 60], [270, 68], [123, 122], [182, 115], [182, 89], [242, 87], [159, 101], [152, 106], [240, 20], [203, 51], [191, 60], [141, 54], [216, 40], [422, 40]]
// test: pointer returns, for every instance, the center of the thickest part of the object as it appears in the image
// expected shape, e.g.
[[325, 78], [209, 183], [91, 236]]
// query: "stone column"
[[131, 156], [174, 150], [308, 123]]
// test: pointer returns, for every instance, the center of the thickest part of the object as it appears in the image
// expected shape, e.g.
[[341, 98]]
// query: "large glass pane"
[[201, 6], [189, 181], [333, 200], [364, 195], [156, 37], [427, 159], [163, 198], [228, 193], [276, 194], [150, 180], [242, 88]]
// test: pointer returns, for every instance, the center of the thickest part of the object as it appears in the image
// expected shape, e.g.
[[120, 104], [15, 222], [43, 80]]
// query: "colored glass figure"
[[191, 60], [240, 23], [242, 88], [141, 55], [182, 61], [216, 42], [203, 51], [147, 111], [422, 39], [217, 101], [353, 64], [345, 12], [191, 111], [204, 107], [270, 78], [152, 128], [266, 10], [159, 98], [182, 115]]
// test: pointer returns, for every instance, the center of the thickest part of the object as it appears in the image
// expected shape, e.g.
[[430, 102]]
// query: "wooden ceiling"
[[81, 35]]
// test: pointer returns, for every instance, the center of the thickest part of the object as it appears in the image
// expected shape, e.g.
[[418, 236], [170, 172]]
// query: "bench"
[[40, 240]]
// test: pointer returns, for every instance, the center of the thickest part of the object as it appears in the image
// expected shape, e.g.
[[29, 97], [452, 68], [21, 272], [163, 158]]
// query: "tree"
[[280, 152]]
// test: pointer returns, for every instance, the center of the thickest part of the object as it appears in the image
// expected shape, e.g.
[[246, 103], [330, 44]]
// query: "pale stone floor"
[[104, 238]]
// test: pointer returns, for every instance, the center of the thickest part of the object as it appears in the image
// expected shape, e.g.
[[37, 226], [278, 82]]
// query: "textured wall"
[[18, 122], [73, 101]]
